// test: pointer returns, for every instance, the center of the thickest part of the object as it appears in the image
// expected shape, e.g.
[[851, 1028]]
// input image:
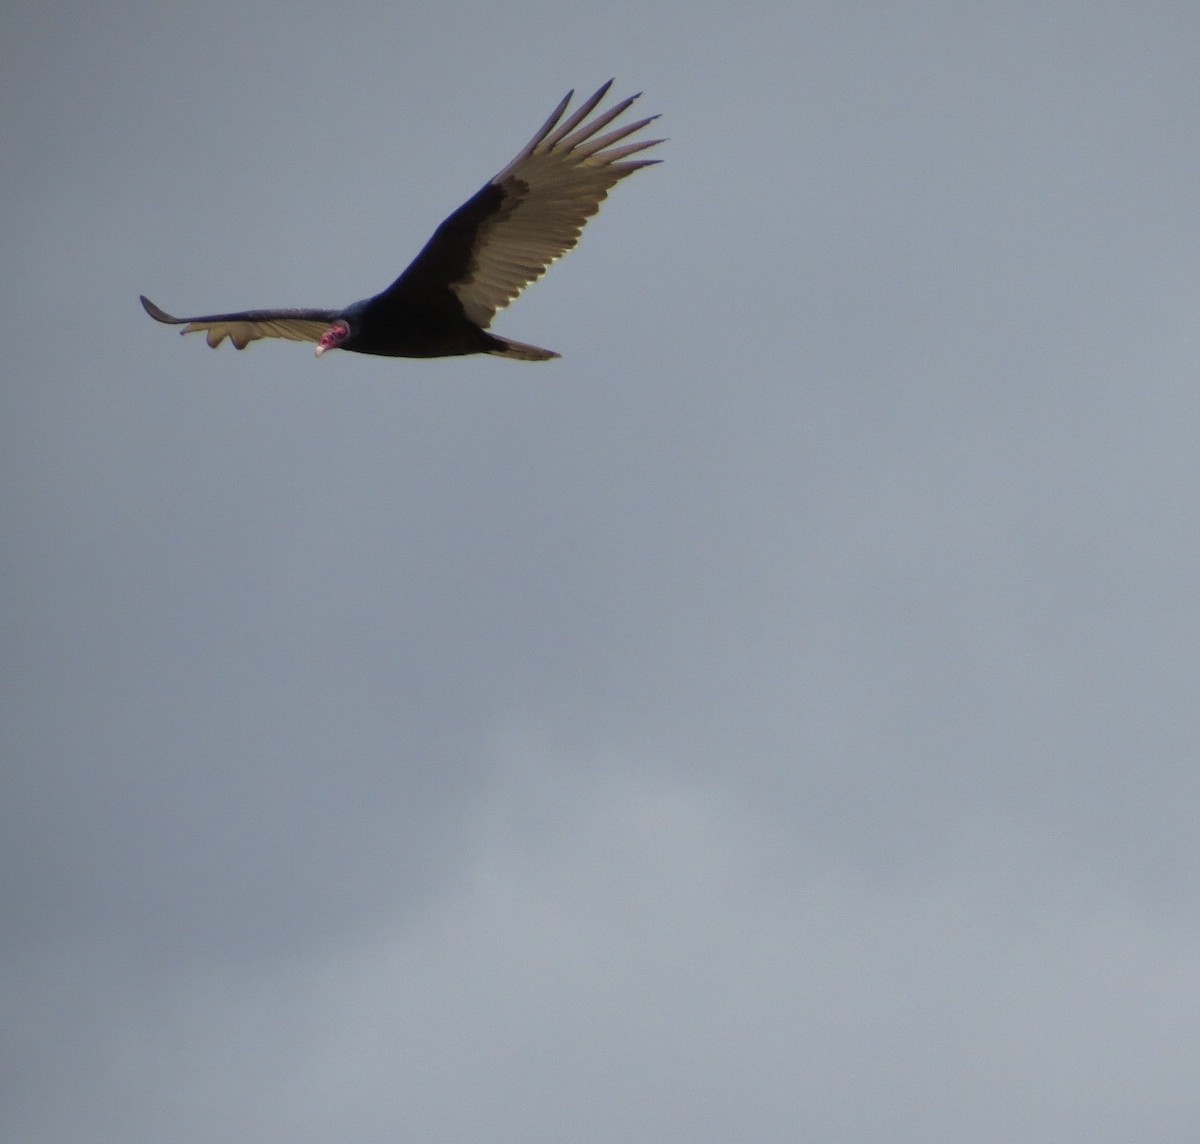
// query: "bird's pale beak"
[[332, 337]]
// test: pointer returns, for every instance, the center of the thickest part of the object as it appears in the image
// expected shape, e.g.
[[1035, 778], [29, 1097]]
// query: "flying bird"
[[478, 260]]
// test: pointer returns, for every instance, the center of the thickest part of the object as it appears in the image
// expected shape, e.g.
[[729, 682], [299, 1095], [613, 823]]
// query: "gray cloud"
[[776, 718]]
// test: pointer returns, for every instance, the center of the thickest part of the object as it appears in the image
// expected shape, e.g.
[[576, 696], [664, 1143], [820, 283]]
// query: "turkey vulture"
[[477, 261]]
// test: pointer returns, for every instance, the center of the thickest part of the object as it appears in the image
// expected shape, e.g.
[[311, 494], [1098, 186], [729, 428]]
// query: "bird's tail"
[[505, 347]]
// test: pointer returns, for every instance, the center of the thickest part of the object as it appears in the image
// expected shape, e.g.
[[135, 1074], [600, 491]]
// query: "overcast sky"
[[777, 720]]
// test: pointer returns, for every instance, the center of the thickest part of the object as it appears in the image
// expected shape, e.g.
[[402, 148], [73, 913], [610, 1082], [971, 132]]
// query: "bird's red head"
[[333, 337]]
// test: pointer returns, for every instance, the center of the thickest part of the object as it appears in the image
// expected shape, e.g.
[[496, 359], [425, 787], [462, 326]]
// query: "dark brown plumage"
[[477, 261]]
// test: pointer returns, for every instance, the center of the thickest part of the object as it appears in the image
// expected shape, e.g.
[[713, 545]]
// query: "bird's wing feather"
[[530, 214], [250, 325]]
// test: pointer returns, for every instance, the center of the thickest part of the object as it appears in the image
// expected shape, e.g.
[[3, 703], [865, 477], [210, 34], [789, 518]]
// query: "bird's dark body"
[[418, 315], [423, 330], [477, 260]]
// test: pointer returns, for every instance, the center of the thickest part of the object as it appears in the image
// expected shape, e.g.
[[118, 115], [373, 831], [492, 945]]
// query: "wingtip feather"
[[157, 313]]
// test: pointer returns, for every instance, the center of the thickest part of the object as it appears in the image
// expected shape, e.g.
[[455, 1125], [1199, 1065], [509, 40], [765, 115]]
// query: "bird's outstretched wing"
[[530, 214], [249, 326]]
